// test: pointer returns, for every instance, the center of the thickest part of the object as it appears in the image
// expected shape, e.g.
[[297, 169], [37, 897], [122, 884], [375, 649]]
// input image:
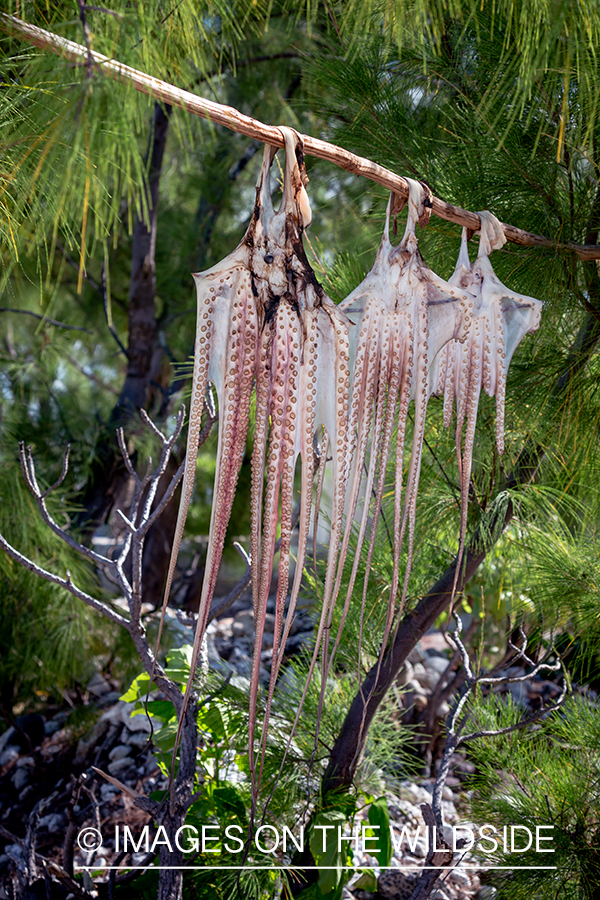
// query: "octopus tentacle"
[[303, 356], [199, 386], [501, 319], [363, 411], [284, 386]]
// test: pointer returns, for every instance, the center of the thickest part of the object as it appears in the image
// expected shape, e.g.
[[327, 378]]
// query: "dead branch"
[[455, 723], [236, 121], [72, 886], [45, 319], [139, 519]]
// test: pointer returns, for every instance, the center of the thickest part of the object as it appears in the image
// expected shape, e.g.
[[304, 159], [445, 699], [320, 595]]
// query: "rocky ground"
[[49, 790]]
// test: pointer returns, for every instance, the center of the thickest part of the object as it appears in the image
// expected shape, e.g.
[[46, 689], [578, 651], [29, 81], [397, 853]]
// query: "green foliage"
[[496, 106], [47, 637], [548, 777]]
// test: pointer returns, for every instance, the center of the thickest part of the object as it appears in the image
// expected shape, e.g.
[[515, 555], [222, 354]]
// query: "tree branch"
[[270, 134], [65, 583], [27, 312]]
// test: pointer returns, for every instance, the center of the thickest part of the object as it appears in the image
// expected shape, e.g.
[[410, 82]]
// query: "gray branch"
[[457, 719], [65, 583], [139, 518]]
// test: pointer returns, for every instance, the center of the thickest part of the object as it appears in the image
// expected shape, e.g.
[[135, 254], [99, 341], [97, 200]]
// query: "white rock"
[[518, 693], [420, 672], [5, 738], [486, 892], [437, 664], [459, 876], [416, 687], [114, 715], [243, 624], [51, 727], [138, 739], [119, 752], [108, 791], [98, 685], [134, 723], [54, 822], [119, 766], [10, 753], [407, 674], [20, 778], [417, 794]]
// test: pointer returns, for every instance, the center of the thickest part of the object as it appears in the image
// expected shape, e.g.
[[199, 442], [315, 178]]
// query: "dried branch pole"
[[140, 518], [455, 735], [231, 118]]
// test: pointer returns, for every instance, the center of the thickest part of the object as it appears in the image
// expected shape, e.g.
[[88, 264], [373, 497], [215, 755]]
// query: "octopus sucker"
[[500, 320]]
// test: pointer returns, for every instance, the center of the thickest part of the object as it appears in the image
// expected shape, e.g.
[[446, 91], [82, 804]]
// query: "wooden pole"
[[270, 134]]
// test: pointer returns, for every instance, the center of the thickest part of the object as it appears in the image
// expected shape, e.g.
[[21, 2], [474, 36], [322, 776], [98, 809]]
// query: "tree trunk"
[[170, 883], [143, 329], [108, 471]]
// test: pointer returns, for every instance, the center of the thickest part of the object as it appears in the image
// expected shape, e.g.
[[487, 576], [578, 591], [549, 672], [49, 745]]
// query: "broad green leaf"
[[324, 834], [158, 709], [379, 815], [139, 688]]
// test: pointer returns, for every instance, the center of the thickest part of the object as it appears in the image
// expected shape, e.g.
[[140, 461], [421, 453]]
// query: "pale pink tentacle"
[[284, 383], [367, 374], [199, 385]]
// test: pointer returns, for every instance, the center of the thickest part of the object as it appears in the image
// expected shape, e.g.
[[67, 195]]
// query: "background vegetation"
[[109, 200]]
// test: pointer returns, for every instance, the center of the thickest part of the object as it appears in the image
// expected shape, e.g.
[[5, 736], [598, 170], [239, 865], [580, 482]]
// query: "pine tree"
[[495, 106]]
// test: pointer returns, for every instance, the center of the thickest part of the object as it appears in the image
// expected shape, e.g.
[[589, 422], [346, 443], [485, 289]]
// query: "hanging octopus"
[[404, 315], [500, 320], [302, 385], [264, 322]]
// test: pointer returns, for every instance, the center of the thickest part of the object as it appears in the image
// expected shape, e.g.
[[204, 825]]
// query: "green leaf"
[[139, 688], [165, 738], [211, 720], [181, 655], [379, 817], [158, 709], [366, 882], [324, 833], [229, 803], [312, 892]]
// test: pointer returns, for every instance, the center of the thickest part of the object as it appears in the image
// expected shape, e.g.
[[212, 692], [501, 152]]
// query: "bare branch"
[[529, 720], [27, 312], [66, 583], [73, 886], [165, 499], [217, 609], [233, 119], [63, 474], [150, 424], [28, 467], [125, 455]]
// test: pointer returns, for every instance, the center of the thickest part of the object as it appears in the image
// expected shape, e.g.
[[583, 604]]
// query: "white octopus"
[[404, 315], [263, 321], [500, 320]]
